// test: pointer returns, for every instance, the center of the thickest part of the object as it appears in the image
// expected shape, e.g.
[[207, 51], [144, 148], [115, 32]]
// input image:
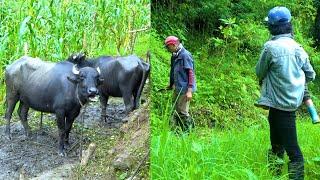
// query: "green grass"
[[233, 154], [232, 136]]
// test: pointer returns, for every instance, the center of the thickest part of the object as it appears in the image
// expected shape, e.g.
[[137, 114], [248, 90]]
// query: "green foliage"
[[245, 36], [231, 138], [233, 154], [225, 21]]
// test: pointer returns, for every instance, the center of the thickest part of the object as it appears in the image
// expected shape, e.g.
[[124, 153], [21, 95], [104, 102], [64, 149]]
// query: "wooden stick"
[[92, 147], [74, 145], [139, 30], [23, 175], [26, 49], [140, 164]]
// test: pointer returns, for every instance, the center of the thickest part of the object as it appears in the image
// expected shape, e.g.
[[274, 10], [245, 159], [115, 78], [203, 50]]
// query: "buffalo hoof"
[[103, 118], [42, 132], [7, 134], [8, 137], [28, 134], [62, 153], [66, 144]]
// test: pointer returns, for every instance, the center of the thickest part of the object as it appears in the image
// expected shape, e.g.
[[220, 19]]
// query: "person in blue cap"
[[283, 70]]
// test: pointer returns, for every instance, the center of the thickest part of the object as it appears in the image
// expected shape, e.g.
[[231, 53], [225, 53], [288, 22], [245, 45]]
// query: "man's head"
[[172, 43], [279, 20]]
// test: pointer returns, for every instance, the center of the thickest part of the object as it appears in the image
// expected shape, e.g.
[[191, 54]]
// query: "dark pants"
[[181, 116], [283, 134], [283, 137]]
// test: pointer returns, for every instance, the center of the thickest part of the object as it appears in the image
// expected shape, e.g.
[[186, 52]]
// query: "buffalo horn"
[[98, 69], [75, 70]]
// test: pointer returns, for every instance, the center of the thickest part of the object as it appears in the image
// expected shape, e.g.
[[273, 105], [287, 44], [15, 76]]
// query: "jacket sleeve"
[[263, 64], [306, 66], [171, 73], [308, 71]]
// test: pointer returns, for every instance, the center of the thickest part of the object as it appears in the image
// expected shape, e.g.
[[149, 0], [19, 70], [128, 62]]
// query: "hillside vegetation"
[[231, 137]]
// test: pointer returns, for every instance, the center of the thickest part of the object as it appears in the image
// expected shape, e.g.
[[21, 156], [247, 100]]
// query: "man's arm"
[[171, 81], [188, 66], [308, 71], [190, 84], [303, 59], [263, 64]]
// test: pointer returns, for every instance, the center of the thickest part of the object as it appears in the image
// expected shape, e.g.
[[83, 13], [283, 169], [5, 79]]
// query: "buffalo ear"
[[73, 79]]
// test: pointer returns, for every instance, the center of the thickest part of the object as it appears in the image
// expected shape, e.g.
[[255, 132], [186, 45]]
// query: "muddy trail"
[[37, 157]]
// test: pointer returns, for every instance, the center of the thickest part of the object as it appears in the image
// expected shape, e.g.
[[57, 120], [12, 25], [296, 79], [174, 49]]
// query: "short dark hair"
[[280, 29]]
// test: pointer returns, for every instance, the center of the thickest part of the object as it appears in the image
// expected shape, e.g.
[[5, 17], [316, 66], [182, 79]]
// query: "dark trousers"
[[283, 135]]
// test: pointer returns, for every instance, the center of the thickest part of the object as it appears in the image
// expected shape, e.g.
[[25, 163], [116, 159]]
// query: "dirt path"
[[37, 156]]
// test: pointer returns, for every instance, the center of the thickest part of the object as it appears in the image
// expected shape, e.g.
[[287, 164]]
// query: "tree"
[[316, 32]]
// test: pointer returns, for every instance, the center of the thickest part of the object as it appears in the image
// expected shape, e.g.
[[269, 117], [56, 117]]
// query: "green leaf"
[[23, 26], [196, 147]]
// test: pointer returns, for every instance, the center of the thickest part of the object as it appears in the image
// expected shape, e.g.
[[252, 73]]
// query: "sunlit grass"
[[236, 145], [220, 154]]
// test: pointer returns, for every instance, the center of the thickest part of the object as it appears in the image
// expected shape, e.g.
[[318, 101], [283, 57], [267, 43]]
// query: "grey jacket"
[[284, 68]]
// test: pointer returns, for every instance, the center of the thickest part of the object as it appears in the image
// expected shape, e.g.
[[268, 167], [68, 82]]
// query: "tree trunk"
[[317, 27]]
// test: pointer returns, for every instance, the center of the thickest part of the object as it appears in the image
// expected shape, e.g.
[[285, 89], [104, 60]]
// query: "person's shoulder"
[[297, 44], [269, 43], [185, 53], [299, 50]]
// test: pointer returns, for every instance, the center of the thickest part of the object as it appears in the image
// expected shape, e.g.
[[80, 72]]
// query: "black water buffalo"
[[126, 78], [58, 88]]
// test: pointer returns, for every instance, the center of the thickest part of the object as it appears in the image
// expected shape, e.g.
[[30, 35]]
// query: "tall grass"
[[232, 136], [234, 154], [56, 28]]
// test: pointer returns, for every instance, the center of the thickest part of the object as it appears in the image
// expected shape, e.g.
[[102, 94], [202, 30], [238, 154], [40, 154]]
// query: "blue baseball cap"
[[278, 15]]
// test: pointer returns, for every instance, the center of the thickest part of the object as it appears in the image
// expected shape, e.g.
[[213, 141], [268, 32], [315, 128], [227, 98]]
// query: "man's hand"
[[189, 94]]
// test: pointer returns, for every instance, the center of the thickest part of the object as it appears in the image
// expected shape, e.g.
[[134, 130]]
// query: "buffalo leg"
[[69, 121], [128, 102], [104, 102], [127, 96], [10, 104], [23, 115], [135, 100], [62, 131]]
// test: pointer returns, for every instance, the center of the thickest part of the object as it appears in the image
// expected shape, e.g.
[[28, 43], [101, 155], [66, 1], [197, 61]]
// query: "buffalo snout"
[[92, 91]]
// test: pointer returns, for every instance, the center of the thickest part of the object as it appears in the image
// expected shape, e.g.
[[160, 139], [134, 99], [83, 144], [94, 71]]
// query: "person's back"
[[286, 59], [283, 70]]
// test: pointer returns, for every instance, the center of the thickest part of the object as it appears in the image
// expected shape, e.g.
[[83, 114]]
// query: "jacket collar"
[[289, 35], [180, 48]]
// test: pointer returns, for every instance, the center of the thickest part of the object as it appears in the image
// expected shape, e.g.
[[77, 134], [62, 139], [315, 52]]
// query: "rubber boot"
[[296, 170], [189, 123], [176, 124], [275, 162], [181, 122], [313, 113]]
